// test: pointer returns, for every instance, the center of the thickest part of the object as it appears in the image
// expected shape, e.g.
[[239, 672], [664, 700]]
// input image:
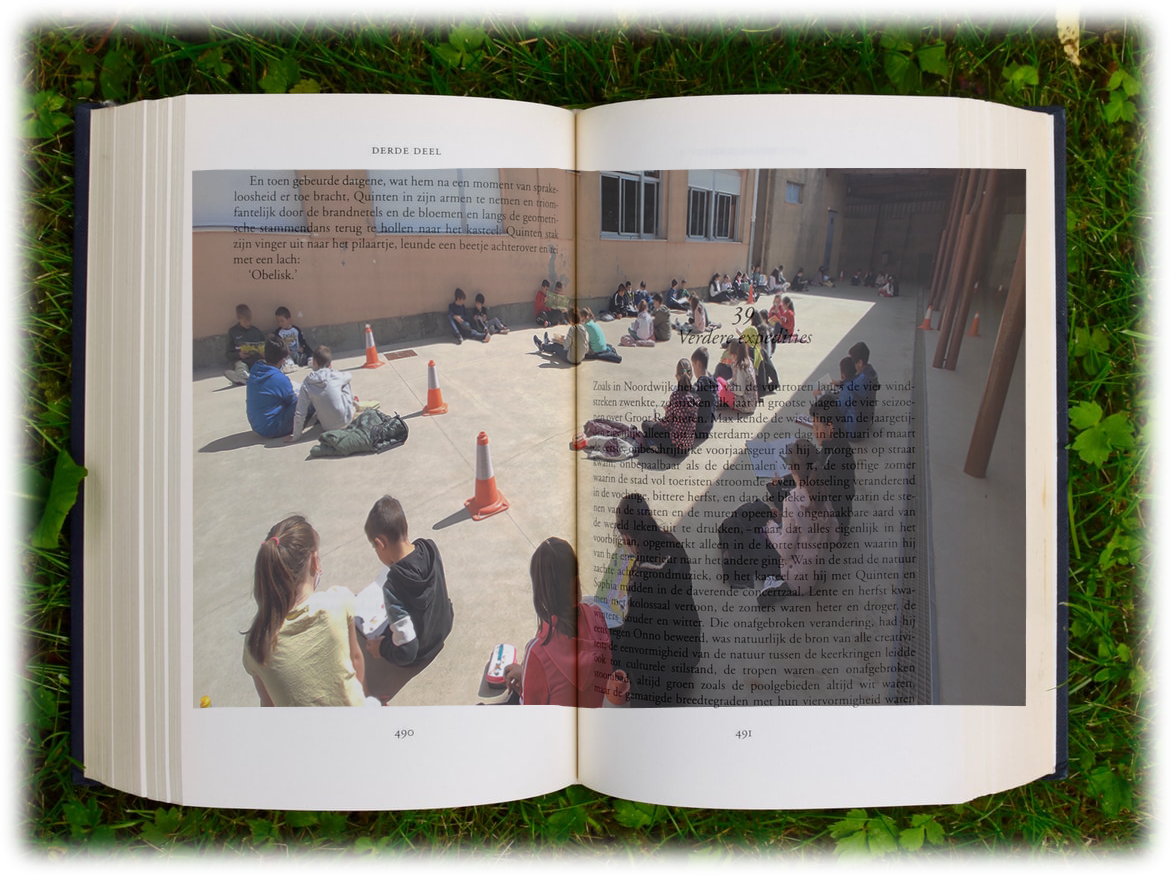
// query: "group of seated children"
[[571, 348], [550, 308], [856, 392], [690, 412], [721, 290], [781, 542], [277, 406], [246, 344], [302, 646]]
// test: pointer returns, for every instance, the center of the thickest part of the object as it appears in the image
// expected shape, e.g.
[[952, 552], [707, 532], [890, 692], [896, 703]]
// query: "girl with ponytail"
[[302, 649]]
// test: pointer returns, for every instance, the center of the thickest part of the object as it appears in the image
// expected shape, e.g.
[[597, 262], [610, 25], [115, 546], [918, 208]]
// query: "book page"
[[346, 223], [835, 562]]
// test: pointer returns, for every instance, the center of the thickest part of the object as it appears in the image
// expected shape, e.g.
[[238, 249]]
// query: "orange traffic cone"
[[372, 360], [487, 500], [974, 331], [435, 403], [751, 297], [926, 326]]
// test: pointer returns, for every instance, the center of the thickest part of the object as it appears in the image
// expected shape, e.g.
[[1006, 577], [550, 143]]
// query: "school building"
[[342, 248]]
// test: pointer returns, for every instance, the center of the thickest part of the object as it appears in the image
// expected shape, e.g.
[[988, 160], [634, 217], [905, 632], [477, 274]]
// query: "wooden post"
[[947, 241], [959, 262], [1008, 342], [987, 208]]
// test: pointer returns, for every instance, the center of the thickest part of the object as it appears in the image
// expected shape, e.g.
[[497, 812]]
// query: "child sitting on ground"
[[326, 394], [674, 434], [457, 319], [643, 327], [706, 394], [302, 649], [738, 391], [546, 313], [414, 590], [571, 347], [599, 349], [294, 340], [483, 322], [661, 318], [568, 662], [272, 397], [800, 537], [245, 346]]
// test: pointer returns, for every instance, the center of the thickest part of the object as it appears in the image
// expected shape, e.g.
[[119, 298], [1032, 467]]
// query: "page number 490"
[[403, 734], [743, 734]]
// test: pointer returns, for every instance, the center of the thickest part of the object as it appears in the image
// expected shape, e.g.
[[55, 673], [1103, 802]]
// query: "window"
[[436, 201], [630, 204], [793, 192], [713, 202], [259, 200]]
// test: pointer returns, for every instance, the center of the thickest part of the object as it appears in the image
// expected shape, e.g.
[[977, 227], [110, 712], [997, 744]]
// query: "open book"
[[843, 592]]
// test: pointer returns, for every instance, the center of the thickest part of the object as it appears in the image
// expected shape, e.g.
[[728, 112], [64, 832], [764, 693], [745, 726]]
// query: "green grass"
[[1103, 806]]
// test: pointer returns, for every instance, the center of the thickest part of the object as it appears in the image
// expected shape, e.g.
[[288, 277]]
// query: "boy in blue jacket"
[[272, 398]]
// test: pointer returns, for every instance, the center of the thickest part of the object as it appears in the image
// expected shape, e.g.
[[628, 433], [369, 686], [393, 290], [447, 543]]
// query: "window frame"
[[626, 213]]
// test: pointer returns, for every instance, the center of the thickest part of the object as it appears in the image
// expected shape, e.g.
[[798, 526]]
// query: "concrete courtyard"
[[530, 407]]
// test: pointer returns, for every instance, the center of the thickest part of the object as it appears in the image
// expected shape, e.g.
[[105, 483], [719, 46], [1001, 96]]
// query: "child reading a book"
[[301, 649], [325, 393], [294, 340], [245, 346], [414, 591], [547, 314], [570, 347], [482, 321], [271, 403], [568, 662], [660, 317]]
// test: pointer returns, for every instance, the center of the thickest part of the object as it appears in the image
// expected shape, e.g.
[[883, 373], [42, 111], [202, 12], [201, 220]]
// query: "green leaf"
[[306, 86], [911, 838], [448, 54], [1092, 446], [636, 815], [1163, 746], [280, 75], [579, 794], [1085, 415], [546, 13], [333, 825], [25, 704], [566, 822], [1129, 84], [709, 862], [933, 59], [853, 844], [1118, 429], [902, 71], [855, 820], [212, 63], [896, 40], [263, 830], [1019, 75], [116, 68], [42, 119], [24, 492], [301, 819], [166, 823], [1113, 792], [466, 39], [62, 495], [1119, 108]]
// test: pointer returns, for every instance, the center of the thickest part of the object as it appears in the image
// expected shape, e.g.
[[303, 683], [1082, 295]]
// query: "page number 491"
[[743, 734]]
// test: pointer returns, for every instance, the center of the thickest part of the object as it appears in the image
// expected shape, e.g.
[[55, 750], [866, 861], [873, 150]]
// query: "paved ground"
[[530, 407]]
